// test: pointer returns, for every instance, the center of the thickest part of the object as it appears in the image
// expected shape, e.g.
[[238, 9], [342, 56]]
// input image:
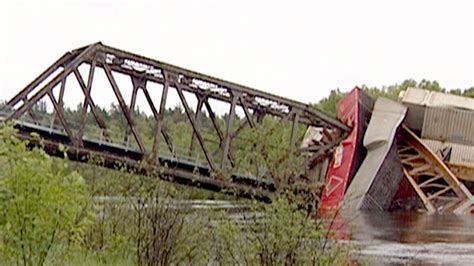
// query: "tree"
[[328, 104], [469, 92], [279, 233], [43, 207]]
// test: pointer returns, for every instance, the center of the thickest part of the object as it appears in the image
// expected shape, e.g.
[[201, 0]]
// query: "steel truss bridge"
[[209, 169]]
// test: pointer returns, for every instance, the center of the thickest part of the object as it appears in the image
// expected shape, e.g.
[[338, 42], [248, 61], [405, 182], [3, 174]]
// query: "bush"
[[43, 207], [143, 220], [279, 233]]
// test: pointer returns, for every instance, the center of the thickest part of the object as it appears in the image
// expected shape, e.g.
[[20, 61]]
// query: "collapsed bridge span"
[[210, 158]]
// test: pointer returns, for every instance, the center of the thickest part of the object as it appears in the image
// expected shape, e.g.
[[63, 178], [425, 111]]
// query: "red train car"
[[354, 110]]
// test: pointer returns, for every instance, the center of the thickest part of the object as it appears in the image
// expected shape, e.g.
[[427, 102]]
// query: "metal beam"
[[159, 119], [227, 139], [42, 77], [124, 108], [88, 98], [74, 140], [294, 131], [194, 126], [236, 88], [43, 91], [197, 117], [87, 94]]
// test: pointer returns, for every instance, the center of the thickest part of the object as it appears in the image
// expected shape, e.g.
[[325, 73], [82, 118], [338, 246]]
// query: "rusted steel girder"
[[142, 70]]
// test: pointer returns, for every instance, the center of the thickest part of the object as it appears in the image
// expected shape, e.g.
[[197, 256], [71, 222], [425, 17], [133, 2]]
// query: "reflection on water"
[[409, 237]]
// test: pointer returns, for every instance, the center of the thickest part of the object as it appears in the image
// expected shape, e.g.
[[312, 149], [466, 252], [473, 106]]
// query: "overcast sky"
[[297, 50]]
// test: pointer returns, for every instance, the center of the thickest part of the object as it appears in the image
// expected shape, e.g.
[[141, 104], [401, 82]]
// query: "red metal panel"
[[354, 110]]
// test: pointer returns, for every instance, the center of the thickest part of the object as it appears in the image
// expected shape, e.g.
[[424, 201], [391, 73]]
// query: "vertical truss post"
[[87, 96], [60, 101], [61, 92], [160, 118], [197, 117], [260, 115], [226, 144], [137, 83], [294, 131]]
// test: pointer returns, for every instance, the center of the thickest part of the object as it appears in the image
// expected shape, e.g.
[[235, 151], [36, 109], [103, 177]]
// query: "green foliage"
[[167, 233], [139, 219], [148, 223], [43, 208], [467, 92], [328, 104], [393, 91], [184, 145], [280, 233], [264, 152]]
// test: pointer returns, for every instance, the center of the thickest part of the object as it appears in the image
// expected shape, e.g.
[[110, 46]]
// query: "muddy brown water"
[[409, 238]]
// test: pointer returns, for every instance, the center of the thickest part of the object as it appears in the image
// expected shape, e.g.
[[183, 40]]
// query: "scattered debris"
[[423, 146]]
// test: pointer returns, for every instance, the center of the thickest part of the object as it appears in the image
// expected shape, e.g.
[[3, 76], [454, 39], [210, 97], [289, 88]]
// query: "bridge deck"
[[176, 168]]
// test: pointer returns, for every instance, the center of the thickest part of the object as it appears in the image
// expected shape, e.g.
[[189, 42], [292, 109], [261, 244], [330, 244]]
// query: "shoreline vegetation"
[[50, 215]]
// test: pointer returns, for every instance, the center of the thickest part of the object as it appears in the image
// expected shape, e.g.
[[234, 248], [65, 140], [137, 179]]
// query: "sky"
[[299, 50]]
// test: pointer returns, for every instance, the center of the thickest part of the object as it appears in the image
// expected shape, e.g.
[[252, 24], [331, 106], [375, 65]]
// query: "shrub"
[[280, 233], [43, 207]]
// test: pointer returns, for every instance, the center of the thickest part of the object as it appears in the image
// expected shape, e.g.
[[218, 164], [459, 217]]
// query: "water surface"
[[410, 237]]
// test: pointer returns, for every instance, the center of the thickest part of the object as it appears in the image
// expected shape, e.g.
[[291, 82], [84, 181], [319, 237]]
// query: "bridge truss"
[[203, 163]]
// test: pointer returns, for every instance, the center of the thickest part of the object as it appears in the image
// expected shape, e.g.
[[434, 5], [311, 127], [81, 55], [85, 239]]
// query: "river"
[[409, 237], [382, 238]]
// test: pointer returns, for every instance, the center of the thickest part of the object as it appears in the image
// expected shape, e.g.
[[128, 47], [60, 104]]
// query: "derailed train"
[[414, 153]]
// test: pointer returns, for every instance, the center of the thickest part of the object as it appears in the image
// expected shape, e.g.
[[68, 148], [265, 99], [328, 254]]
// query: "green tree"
[[280, 233], [328, 104], [469, 92], [43, 207]]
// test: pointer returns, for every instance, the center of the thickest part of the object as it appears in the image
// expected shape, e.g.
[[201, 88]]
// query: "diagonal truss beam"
[[124, 107], [42, 77], [142, 70], [124, 62], [29, 102], [76, 141], [194, 126]]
